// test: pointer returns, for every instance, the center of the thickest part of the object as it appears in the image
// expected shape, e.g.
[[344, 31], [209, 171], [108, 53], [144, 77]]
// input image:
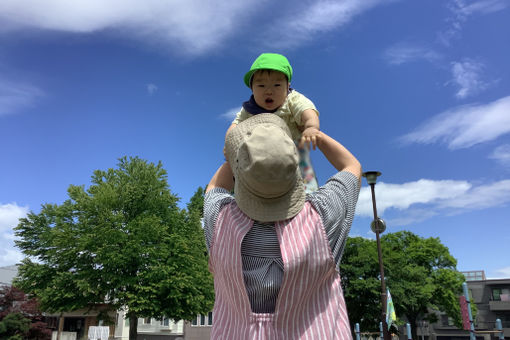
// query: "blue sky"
[[419, 90]]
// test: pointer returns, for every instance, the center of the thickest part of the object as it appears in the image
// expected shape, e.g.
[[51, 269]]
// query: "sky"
[[418, 90]]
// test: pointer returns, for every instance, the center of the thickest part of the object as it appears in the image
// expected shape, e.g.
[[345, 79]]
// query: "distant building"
[[77, 323], [475, 275], [492, 299], [7, 274]]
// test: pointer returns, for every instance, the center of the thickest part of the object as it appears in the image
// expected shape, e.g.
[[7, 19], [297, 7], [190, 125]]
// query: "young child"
[[269, 79]]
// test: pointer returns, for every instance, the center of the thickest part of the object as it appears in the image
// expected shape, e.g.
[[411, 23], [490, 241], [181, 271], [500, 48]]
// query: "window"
[[446, 320], [165, 322], [203, 320], [51, 322], [147, 321], [476, 275], [501, 294]]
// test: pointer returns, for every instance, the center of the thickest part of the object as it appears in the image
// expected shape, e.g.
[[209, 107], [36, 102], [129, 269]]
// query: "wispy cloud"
[[503, 273], [460, 13], [301, 22], [501, 154], [420, 200], [15, 96], [230, 114], [192, 26], [467, 76], [465, 126], [9, 216], [480, 197], [151, 88], [483, 6], [405, 52]]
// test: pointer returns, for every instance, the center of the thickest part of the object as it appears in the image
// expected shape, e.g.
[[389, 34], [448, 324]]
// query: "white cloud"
[[467, 76], [9, 217], [465, 126], [460, 13], [230, 114], [481, 197], [15, 96], [298, 23], [420, 200], [192, 26], [10, 214], [484, 6], [151, 88], [9, 255], [402, 196], [501, 154], [403, 53]]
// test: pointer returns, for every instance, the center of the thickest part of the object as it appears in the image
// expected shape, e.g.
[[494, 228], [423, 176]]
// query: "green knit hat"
[[269, 61]]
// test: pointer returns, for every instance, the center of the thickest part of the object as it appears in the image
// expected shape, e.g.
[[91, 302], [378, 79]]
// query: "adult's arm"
[[223, 178], [338, 155]]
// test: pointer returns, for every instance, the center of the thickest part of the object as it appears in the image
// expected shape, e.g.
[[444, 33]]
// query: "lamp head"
[[371, 176]]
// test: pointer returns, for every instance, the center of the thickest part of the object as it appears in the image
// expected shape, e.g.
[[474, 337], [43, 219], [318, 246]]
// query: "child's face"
[[270, 89]]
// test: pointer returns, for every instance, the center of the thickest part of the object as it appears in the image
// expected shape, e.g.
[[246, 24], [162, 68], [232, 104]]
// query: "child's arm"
[[311, 128]]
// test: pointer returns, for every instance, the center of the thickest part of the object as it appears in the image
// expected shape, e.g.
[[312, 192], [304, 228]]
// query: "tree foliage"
[[420, 273], [123, 242], [20, 317]]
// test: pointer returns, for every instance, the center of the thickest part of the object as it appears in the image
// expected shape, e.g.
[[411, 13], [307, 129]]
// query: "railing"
[[64, 335], [499, 305], [491, 325]]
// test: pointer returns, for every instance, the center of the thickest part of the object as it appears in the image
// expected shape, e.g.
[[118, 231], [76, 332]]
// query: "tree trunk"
[[412, 323], [60, 326], [133, 326]]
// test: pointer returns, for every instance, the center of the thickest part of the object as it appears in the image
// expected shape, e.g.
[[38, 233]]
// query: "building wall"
[[149, 329], [198, 329], [488, 311]]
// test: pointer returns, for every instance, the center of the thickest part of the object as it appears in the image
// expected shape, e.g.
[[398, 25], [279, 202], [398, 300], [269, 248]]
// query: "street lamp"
[[378, 226]]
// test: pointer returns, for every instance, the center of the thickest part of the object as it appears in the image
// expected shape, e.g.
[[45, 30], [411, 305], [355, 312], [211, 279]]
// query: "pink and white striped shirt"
[[310, 303]]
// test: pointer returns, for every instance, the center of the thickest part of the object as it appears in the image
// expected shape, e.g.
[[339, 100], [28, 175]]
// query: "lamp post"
[[378, 226]]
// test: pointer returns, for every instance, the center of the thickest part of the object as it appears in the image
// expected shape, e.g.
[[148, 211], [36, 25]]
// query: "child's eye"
[[277, 84]]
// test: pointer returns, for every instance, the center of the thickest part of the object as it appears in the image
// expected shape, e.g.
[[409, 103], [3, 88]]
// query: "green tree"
[[14, 326], [196, 203], [420, 273], [123, 242], [359, 270]]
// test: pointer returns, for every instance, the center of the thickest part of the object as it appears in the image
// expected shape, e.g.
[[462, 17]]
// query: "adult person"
[[274, 251]]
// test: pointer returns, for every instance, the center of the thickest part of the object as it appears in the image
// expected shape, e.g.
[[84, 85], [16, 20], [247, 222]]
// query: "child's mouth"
[[269, 101]]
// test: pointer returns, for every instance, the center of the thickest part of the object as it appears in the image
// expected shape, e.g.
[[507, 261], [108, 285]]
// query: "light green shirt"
[[290, 111]]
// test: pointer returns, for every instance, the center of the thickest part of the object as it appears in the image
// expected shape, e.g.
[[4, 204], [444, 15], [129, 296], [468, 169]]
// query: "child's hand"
[[309, 135]]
